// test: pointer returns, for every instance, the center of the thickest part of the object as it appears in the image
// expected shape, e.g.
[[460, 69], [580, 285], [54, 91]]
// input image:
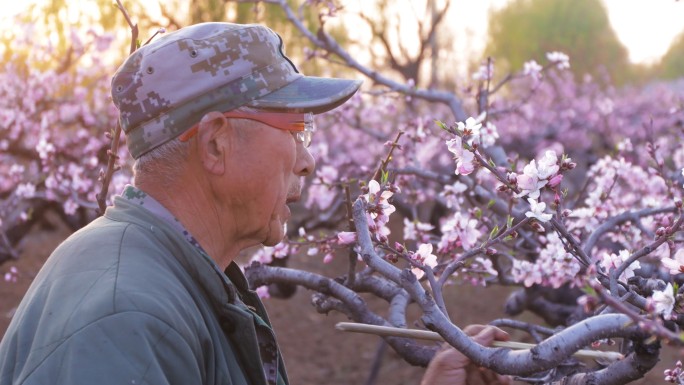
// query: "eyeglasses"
[[302, 126]]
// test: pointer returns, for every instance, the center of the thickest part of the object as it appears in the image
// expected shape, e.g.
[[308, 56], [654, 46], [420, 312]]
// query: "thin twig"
[[113, 151], [383, 165]]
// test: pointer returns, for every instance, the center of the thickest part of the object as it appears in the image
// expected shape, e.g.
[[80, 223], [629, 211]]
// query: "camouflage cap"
[[166, 87]]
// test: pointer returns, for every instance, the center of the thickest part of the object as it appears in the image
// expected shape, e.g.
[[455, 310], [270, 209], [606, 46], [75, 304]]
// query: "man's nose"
[[305, 161]]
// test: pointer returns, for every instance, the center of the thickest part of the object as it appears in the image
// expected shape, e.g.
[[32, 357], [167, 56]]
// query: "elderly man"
[[218, 120]]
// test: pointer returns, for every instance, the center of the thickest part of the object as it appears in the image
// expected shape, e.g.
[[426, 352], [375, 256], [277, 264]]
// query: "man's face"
[[265, 173]]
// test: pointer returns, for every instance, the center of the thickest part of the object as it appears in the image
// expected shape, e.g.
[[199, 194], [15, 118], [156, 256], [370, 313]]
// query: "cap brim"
[[309, 94]]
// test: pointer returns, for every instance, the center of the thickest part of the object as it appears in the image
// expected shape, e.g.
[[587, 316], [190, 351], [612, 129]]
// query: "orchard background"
[[540, 188]]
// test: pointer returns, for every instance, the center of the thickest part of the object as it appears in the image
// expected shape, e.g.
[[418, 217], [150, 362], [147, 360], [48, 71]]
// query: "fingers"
[[452, 356], [481, 376], [485, 334]]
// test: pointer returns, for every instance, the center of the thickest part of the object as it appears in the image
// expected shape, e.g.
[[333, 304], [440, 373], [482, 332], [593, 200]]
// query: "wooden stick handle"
[[432, 336]]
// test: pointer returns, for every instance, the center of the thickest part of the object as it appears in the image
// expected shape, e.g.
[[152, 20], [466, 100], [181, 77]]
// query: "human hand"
[[451, 367]]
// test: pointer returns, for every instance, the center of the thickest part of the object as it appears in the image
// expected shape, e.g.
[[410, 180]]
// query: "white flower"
[[26, 190], [562, 60], [537, 211], [373, 189], [471, 124], [664, 301], [45, 148], [625, 145], [485, 72], [675, 265], [548, 165], [532, 69]]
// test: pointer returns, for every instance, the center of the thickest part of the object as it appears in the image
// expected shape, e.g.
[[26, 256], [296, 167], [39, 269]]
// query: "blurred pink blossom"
[[464, 158], [346, 237], [610, 261], [676, 264]]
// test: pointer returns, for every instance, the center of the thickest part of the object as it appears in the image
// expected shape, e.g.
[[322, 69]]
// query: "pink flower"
[[12, 275], [262, 291], [414, 229], [458, 231], [423, 256], [554, 267], [70, 207], [676, 264], [379, 210], [346, 237], [26, 190], [529, 182], [464, 158], [321, 193], [612, 261]]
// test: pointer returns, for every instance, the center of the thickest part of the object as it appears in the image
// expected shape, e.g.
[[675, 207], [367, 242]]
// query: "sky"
[[645, 27]]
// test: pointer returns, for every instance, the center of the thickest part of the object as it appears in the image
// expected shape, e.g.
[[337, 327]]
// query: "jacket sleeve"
[[124, 348]]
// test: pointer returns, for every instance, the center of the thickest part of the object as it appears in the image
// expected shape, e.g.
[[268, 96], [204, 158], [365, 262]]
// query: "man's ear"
[[213, 142]]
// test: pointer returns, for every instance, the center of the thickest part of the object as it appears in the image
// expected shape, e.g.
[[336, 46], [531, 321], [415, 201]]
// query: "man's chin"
[[275, 235]]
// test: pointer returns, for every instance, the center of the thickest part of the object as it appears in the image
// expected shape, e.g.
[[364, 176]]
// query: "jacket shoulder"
[[107, 271]]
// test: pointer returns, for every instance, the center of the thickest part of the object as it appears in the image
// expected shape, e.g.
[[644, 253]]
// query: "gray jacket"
[[126, 300]]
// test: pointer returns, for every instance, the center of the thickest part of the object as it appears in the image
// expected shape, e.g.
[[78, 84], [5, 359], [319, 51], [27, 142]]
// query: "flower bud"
[[400, 248], [490, 251], [346, 237], [536, 226], [501, 188], [556, 180], [512, 178], [678, 203], [660, 232]]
